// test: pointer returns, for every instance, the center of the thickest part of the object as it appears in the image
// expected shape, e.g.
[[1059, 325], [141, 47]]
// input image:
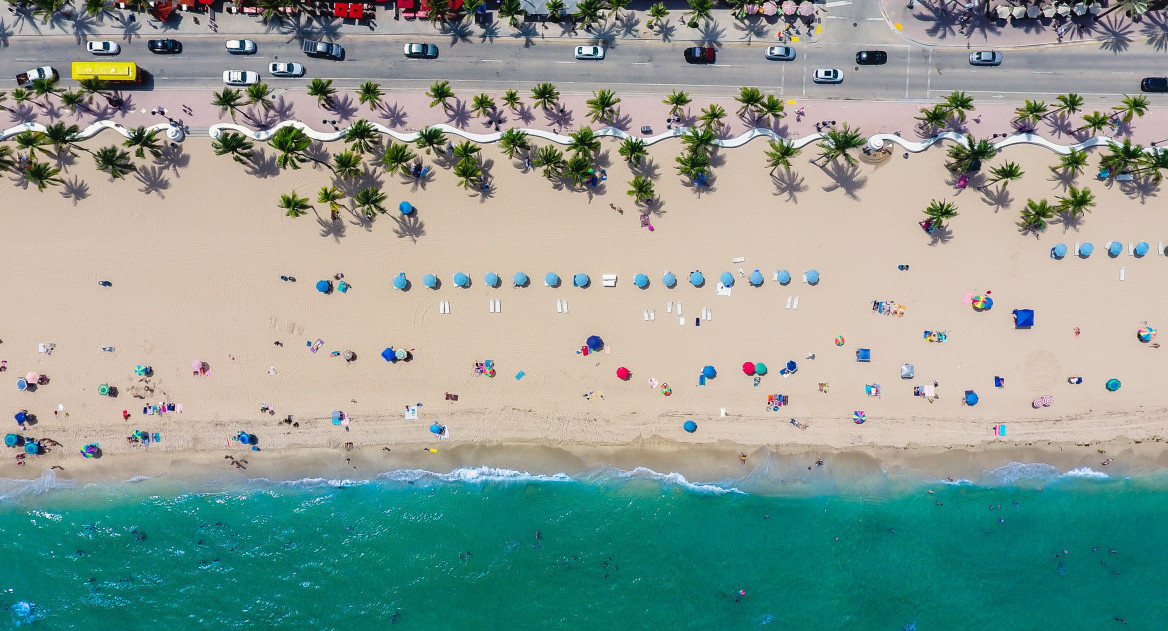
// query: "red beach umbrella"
[[622, 373], [748, 368]]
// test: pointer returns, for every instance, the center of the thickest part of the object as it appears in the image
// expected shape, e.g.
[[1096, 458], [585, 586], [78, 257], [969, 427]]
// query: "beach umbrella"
[[1018, 12], [709, 373], [669, 280], [858, 417], [405, 208], [1003, 11], [640, 280], [1063, 9], [1048, 11], [336, 416], [31, 377], [907, 371], [324, 286], [21, 385], [690, 426], [11, 440], [696, 279], [430, 280], [399, 281], [1146, 334], [32, 448], [760, 368], [748, 368], [839, 340], [622, 373], [812, 277], [1032, 11], [770, 8], [461, 280], [1115, 248], [784, 277], [387, 354], [1113, 385], [792, 366], [1059, 250], [435, 429], [103, 389], [1079, 8], [756, 278], [970, 397], [519, 279], [491, 279], [401, 353], [727, 279], [1141, 248], [790, 7], [581, 280], [1086, 249], [90, 450], [594, 343], [349, 356], [979, 302], [245, 438], [551, 279], [21, 417], [806, 8]]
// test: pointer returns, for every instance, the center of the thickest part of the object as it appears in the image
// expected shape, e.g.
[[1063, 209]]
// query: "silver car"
[[589, 52], [240, 77], [828, 75], [241, 46], [985, 58], [780, 53], [285, 69], [103, 48]]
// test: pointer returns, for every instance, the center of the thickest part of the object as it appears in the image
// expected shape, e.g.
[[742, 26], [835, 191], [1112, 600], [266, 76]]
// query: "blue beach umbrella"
[[970, 397], [1113, 385], [551, 279], [21, 385], [324, 286], [405, 208], [430, 280], [387, 354], [595, 343], [756, 278], [462, 280], [22, 416], [709, 373], [1141, 248], [581, 280], [791, 366], [1086, 249], [1114, 249], [435, 429], [696, 279], [519, 279], [669, 280], [690, 426], [813, 277], [640, 280], [399, 281], [727, 279], [784, 277], [11, 440], [32, 448], [1059, 250], [491, 279]]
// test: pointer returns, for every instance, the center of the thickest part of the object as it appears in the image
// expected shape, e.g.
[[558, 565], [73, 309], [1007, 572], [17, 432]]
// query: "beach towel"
[[316, 345], [722, 290]]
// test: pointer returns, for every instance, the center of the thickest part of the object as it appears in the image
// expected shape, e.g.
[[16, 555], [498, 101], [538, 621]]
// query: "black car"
[[871, 57], [700, 55], [1154, 84], [164, 46]]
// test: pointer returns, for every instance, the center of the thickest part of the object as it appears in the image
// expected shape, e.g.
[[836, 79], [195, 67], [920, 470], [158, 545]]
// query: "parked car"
[[105, 47], [164, 46], [828, 75], [985, 58], [326, 50], [700, 55], [871, 57], [241, 46], [1154, 84], [780, 53], [589, 52], [286, 69], [26, 78], [421, 51], [240, 77]]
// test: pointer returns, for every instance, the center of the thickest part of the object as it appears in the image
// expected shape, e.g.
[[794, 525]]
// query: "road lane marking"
[[838, 3]]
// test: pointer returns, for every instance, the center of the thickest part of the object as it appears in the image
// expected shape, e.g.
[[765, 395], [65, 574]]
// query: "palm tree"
[[468, 173], [749, 98], [677, 102], [1006, 173], [261, 94], [1122, 158], [370, 94], [227, 100], [588, 12], [641, 189], [1076, 202], [512, 10], [551, 159], [969, 153], [294, 205], [513, 140], [114, 161], [1095, 121], [94, 8], [555, 8], [699, 140], [72, 99], [939, 211], [347, 165], [602, 105], [323, 90], [361, 136], [397, 158], [465, 151], [441, 93], [692, 165], [234, 144], [545, 95], [1133, 8], [42, 174], [90, 87], [837, 143], [1072, 163], [935, 117], [698, 10], [511, 99], [430, 138], [633, 151], [143, 140], [20, 95], [712, 116], [437, 11], [578, 169], [780, 153], [1069, 104], [614, 6], [1031, 111], [483, 105], [1133, 106], [657, 13], [370, 199], [31, 142], [331, 196], [45, 88], [1155, 161], [1035, 215], [290, 143], [583, 142], [62, 137], [957, 103], [772, 106]]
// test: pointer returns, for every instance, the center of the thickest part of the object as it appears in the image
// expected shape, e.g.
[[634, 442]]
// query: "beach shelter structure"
[[11, 440], [491, 279], [1141, 248], [641, 281], [1146, 334], [399, 281], [907, 371], [1023, 318], [623, 373], [246, 438], [1113, 385], [103, 389], [594, 343], [388, 354], [551, 279], [461, 280], [581, 280], [1086, 249], [970, 397], [324, 286], [760, 368], [863, 354], [696, 279], [690, 426], [430, 281], [709, 373], [1058, 251], [669, 280], [756, 278], [784, 277], [791, 366], [519, 279], [748, 368], [727, 279], [21, 417], [405, 208], [812, 277]]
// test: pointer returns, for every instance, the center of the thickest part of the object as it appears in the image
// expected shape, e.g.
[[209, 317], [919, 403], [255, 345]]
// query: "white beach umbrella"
[[1032, 11], [1048, 11], [1063, 9], [1019, 12], [1080, 8], [1094, 8], [1003, 11]]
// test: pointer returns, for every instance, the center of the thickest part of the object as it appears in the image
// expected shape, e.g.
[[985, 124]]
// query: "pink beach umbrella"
[[806, 9], [770, 8], [790, 7], [622, 373], [32, 377], [748, 368]]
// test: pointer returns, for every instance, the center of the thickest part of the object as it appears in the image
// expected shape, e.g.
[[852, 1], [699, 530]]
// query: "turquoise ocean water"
[[614, 550]]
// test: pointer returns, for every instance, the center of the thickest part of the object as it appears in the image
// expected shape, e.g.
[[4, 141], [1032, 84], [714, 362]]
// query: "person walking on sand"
[[742, 457]]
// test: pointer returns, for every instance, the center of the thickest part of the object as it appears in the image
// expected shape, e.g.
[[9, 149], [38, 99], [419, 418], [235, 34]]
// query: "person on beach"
[[742, 457]]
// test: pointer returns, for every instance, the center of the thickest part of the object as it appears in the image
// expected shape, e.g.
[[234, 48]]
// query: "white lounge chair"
[[609, 280], [1076, 248], [652, 314], [788, 302], [645, 312], [795, 305], [559, 307], [669, 307]]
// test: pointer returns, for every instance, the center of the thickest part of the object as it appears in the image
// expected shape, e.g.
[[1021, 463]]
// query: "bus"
[[115, 72]]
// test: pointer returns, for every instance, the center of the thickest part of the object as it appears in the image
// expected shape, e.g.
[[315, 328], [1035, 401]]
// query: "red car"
[[700, 55]]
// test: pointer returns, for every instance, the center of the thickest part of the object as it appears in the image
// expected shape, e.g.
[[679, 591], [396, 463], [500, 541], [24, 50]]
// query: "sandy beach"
[[195, 263]]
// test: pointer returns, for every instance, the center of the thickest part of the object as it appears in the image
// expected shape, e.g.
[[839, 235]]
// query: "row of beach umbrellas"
[[551, 279], [1114, 249], [1049, 10], [788, 7]]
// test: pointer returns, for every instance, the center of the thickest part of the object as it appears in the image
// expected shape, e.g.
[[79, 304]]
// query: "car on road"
[[985, 58], [240, 77], [1154, 84], [871, 57], [780, 53], [286, 69], [421, 51], [103, 48], [164, 46], [241, 46], [700, 55], [828, 75], [323, 50], [47, 73], [589, 52]]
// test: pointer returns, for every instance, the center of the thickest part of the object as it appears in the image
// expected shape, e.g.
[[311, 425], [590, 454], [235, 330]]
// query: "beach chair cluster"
[[485, 368], [872, 389], [561, 306], [494, 306], [444, 307], [776, 401], [936, 336], [162, 408], [649, 314], [887, 307]]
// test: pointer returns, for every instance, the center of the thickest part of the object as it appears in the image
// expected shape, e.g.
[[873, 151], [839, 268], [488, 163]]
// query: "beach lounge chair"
[[652, 314], [795, 305], [1125, 177], [788, 302], [1077, 248], [609, 280], [645, 313], [864, 355], [559, 307]]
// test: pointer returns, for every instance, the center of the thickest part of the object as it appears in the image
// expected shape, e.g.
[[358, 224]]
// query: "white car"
[[240, 77], [103, 48], [780, 53], [828, 75], [285, 69], [589, 52], [241, 46], [985, 58]]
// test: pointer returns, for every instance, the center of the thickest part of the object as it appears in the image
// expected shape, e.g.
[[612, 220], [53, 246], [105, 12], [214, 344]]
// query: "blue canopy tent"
[[399, 281], [690, 426], [697, 279], [519, 279], [640, 280], [1141, 248], [388, 354], [727, 279], [970, 397], [1114, 249], [581, 280], [430, 280], [324, 286], [756, 278], [709, 373], [461, 280], [1023, 318], [1058, 251], [551, 279], [595, 343], [1086, 249], [792, 366], [669, 280], [491, 279], [863, 354], [784, 277], [812, 277], [405, 208]]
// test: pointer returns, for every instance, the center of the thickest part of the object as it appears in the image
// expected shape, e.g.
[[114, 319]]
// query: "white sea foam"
[[676, 479], [318, 483], [1015, 472], [143, 478], [1085, 472], [13, 488], [472, 475]]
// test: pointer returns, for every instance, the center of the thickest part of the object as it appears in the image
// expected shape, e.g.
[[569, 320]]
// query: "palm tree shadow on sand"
[[1071, 223], [263, 165], [409, 227], [845, 177], [153, 180], [458, 115], [1140, 189], [330, 227], [998, 198], [788, 184], [75, 189], [394, 115], [941, 234]]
